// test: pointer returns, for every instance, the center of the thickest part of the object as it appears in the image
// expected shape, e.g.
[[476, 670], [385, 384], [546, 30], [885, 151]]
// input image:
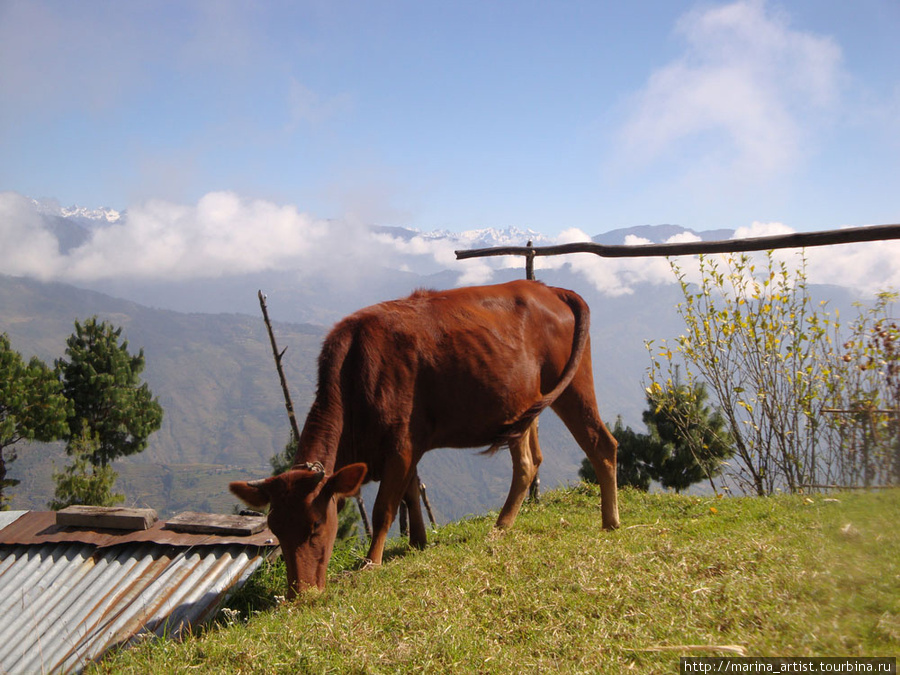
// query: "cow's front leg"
[[398, 471]]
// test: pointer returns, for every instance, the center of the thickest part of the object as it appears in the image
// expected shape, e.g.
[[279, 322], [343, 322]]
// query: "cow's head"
[[303, 515]]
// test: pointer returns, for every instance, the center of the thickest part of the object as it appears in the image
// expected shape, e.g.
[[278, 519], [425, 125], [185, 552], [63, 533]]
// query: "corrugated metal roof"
[[65, 602]]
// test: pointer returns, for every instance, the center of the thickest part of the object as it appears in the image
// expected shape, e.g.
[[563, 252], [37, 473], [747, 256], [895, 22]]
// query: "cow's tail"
[[582, 314]]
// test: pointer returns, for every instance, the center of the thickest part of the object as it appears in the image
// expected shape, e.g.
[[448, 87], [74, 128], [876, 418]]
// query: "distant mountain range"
[[80, 215], [209, 362], [317, 299]]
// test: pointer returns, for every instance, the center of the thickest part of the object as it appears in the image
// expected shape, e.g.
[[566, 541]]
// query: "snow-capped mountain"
[[80, 214], [102, 214], [516, 236], [480, 238]]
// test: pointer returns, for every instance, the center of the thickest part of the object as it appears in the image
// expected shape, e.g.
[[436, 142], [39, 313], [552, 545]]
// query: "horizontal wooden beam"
[[848, 235]]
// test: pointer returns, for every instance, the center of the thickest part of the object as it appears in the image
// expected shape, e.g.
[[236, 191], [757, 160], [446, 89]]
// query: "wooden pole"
[[427, 504], [529, 263], [288, 404], [403, 512]]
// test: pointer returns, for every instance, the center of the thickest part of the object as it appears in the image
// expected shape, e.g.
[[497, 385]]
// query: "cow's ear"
[[254, 493], [346, 482]]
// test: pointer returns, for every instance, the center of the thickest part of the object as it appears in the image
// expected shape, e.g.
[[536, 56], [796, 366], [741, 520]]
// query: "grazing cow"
[[462, 368]]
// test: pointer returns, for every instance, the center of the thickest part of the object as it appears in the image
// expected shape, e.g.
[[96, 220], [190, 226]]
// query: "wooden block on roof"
[[216, 523], [110, 517]]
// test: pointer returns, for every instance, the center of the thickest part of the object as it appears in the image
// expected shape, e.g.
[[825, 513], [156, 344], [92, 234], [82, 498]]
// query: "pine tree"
[[102, 379], [32, 408], [691, 437], [687, 442], [83, 482], [638, 455]]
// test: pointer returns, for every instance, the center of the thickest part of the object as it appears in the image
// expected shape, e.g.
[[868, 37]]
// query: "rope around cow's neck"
[[317, 467]]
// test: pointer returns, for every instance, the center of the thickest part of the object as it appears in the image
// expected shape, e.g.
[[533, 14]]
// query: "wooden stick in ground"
[[289, 405], [403, 512], [361, 505], [427, 504], [295, 429], [403, 517]]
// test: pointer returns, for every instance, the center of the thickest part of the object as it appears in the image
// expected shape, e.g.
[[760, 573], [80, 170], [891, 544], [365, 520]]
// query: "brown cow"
[[462, 368]]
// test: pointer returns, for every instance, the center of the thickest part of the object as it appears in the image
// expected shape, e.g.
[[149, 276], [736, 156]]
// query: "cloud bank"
[[223, 235]]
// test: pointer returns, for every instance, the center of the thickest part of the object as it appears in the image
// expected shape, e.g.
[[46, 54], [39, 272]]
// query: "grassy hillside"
[[684, 576]]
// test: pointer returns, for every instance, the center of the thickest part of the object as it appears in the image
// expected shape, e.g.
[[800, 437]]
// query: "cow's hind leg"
[[577, 408], [413, 500], [526, 457]]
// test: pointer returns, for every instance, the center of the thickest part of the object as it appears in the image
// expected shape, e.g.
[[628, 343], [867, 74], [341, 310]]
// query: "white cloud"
[[225, 235], [222, 235], [438, 251], [683, 238], [758, 229], [27, 246], [868, 267], [734, 100], [865, 267]]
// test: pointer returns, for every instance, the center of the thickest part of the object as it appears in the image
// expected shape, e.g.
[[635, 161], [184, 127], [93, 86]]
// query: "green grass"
[[684, 576]]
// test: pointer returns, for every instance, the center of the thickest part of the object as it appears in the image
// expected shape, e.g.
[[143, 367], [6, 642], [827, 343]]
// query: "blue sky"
[[462, 115]]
